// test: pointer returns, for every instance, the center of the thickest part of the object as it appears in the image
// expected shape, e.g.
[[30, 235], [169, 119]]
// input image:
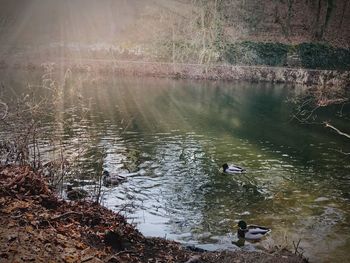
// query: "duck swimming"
[[232, 169], [75, 194], [251, 232], [108, 179]]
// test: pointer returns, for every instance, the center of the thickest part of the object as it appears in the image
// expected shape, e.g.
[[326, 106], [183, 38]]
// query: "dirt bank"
[[191, 71], [37, 226]]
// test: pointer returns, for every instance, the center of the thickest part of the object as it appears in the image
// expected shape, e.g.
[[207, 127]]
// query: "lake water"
[[171, 138]]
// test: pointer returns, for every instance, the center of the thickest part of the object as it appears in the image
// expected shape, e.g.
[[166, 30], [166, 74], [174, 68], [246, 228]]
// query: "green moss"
[[254, 53], [311, 55], [319, 56]]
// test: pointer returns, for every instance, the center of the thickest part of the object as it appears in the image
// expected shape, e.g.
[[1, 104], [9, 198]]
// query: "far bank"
[[312, 77]]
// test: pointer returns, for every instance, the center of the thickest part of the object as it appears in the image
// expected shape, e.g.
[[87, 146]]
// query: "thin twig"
[[123, 208], [67, 214], [296, 247], [125, 252]]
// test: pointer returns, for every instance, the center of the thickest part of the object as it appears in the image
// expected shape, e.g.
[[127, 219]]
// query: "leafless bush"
[[196, 36], [31, 128]]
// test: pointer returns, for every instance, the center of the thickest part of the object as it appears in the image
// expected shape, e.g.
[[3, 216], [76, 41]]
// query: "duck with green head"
[[112, 179], [251, 232]]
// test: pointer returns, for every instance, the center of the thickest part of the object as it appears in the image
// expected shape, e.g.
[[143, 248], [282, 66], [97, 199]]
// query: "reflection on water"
[[171, 137]]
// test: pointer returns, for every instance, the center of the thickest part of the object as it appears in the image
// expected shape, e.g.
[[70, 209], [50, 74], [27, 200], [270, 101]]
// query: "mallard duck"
[[75, 194], [251, 232], [232, 169], [109, 179]]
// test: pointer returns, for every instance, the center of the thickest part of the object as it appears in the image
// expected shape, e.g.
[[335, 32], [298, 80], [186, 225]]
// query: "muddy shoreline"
[[225, 72]]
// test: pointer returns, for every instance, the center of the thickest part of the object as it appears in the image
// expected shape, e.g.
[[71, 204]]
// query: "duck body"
[[76, 194], [109, 179], [232, 169], [251, 232]]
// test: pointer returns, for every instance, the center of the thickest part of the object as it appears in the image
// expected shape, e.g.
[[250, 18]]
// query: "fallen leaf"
[[12, 237], [29, 229]]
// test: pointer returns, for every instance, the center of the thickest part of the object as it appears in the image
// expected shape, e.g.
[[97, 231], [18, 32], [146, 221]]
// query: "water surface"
[[171, 138]]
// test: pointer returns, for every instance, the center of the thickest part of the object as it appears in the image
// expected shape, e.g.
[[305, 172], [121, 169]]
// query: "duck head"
[[242, 224], [69, 187], [225, 166]]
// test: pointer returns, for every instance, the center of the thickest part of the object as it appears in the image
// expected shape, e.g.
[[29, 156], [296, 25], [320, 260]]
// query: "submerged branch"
[[342, 152], [337, 130]]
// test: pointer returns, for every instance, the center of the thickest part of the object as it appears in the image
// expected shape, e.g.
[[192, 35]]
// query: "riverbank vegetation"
[[206, 32], [212, 34]]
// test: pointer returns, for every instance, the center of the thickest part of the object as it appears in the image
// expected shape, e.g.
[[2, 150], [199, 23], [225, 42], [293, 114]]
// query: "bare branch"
[[5, 110], [337, 130], [342, 152], [326, 102], [67, 214]]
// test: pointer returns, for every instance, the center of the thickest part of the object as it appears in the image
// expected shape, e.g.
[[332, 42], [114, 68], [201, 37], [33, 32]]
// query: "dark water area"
[[171, 137]]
